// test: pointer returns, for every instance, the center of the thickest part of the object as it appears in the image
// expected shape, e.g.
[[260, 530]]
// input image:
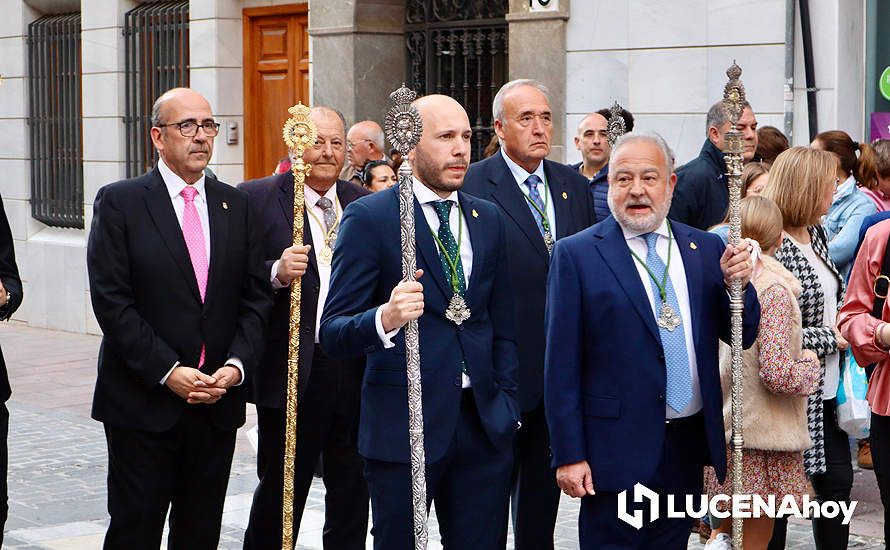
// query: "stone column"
[[358, 55], [537, 49]]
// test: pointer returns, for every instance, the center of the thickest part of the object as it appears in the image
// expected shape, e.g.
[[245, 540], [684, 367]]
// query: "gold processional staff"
[[299, 133]]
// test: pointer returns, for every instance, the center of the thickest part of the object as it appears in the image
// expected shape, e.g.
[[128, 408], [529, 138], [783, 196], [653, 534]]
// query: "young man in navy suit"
[[327, 419], [468, 370], [636, 306], [542, 201]]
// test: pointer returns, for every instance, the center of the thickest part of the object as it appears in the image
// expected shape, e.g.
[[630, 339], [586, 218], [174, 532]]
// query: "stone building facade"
[[664, 61]]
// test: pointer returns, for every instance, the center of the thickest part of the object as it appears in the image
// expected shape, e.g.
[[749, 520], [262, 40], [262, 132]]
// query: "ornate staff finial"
[[616, 127], [403, 123], [299, 132], [734, 93]]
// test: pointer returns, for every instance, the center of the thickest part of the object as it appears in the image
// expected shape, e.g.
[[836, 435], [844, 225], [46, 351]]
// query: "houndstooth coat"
[[816, 337]]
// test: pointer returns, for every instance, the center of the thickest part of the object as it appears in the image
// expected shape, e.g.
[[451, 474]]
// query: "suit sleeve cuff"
[[169, 372], [235, 362], [385, 337], [276, 284]]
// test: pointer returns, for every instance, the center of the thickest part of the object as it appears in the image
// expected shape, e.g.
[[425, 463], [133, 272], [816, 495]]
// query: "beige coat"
[[771, 421]]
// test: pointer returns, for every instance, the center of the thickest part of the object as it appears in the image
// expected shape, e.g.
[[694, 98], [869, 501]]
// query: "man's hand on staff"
[[575, 480], [293, 263], [405, 304], [194, 386], [736, 263]]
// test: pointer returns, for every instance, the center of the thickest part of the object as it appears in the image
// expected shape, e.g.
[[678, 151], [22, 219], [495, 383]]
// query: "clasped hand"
[[736, 263], [198, 388]]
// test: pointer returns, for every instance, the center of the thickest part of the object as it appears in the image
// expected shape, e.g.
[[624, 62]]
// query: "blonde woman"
[[802, 183]]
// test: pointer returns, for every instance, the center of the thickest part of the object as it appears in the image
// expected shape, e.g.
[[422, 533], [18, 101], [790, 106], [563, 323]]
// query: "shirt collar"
[[845, 188], [630, 233], [519, 173], [175, 184], [425, 195], [311, 196]]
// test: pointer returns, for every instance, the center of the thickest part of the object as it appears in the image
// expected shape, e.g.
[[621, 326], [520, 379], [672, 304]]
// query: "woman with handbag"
[[864, 321], [777, 376], [802, 183]]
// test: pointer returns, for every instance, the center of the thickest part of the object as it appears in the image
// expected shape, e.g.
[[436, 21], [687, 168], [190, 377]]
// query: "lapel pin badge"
[[225, 205], [693, 246], [475, 214], [565, 195]]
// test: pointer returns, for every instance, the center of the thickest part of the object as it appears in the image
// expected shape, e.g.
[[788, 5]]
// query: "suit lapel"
[[507, 194], [286, 201], [160, 207], [427, 248], [562, 202], [218, 218], [693, 268], [616, 254]]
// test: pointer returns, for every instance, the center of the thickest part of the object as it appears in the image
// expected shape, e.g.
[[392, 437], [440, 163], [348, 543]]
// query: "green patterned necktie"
[[452, 249]]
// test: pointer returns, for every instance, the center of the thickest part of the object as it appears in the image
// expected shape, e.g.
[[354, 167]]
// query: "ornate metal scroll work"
[[733, 102], [299, 133], [615, 128], [403, 129]]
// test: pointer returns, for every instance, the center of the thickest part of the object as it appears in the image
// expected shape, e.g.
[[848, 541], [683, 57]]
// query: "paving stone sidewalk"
[[58, 461]]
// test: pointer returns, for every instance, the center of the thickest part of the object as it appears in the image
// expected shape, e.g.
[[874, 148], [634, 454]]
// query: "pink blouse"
[[781, 372], [855, 321], [881, 200]]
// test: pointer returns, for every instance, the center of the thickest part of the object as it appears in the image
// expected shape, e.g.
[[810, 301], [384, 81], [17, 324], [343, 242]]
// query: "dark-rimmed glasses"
[[189, 128]]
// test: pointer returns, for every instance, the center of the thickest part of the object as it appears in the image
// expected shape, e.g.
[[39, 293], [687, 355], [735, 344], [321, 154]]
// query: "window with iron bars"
[[156, 47], [56, 135]]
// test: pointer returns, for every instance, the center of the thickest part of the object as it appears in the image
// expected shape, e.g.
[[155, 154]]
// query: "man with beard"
[[328, 397], [542, 201], [468, 369], [702, 196], [179, 290], [636, 306]]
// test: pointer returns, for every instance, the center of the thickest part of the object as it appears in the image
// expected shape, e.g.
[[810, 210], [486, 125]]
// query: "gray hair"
[[717, 115], [497, 106], [649, 137], [377, 138]]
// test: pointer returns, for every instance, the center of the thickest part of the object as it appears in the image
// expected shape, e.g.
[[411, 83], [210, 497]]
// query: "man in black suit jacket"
[[179, 290], [10, 300], [329, 391], [542, 201]]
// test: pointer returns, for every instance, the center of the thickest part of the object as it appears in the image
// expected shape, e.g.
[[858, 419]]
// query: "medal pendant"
[[668, 319], [325, 255], [548, 241], [457, 311]]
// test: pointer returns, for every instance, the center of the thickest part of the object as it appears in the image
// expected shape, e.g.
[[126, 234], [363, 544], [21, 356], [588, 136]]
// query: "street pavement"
[[57, 461]]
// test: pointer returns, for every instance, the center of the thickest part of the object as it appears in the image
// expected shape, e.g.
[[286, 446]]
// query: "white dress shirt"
[[520, 175], [426, 197], [677, 273], [316, 225], [175, 185]]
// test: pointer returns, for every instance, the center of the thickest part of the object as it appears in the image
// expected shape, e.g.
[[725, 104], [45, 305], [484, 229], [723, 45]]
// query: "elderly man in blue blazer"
[[636, 306], [468, 369]]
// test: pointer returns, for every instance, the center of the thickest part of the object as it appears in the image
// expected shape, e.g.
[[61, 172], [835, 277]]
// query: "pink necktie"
[[194, 240]]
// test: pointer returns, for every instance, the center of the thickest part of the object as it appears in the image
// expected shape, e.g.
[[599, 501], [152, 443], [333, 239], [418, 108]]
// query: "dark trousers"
[[535, 494], [680, 473], [470, 486], [835, 484], [880, 455], [4, 467], [186, 467], [327, 424]]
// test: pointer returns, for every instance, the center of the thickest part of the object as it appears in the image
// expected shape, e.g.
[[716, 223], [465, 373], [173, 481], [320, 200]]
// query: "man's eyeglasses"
[[189, 128], [351, 144]]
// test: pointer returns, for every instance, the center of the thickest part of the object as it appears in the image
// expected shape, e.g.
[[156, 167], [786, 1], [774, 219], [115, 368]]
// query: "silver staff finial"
[[616, 127], [403, 122]]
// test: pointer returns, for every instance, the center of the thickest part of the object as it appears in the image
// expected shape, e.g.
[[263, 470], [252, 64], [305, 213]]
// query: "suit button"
[[457, 381], [307, 330], [661, 398], [204, 316], [316, 288], [661, 356], [460, 328]]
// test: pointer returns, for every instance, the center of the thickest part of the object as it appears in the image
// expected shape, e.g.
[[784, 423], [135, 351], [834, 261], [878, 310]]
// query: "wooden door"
[[276, 76]]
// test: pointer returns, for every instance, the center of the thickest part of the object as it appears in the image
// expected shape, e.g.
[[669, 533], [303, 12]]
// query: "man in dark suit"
[[329, 390], [636, 306], [468, 370], [542, 201], [178, 287], [10, 300]]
